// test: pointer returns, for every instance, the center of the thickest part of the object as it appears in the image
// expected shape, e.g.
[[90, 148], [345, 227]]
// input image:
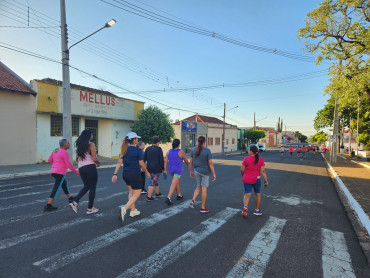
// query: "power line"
[[145, 13]]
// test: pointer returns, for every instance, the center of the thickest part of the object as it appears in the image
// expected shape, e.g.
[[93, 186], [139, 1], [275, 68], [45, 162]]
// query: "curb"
[[39, 173], [359, 219], [364, 165]]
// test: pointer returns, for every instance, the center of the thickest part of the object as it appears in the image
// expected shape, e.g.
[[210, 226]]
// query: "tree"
[[339, 30], [254, 135], [319, 137], [302, 138], [153, 122]]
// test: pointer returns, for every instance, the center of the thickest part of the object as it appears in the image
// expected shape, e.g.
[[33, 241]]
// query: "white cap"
[[132, 135]]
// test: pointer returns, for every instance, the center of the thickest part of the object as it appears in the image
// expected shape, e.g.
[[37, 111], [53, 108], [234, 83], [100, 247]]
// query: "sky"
[[179, 71]]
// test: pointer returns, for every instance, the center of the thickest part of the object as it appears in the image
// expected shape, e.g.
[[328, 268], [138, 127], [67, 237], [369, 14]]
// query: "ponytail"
[[124, 146], [254, 150], [175, 144], [201, 141]]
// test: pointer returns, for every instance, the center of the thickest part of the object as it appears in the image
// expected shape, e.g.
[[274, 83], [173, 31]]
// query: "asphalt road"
[[303, 232]]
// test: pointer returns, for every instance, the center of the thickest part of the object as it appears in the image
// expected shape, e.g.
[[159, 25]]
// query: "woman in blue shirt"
[[132, 159]]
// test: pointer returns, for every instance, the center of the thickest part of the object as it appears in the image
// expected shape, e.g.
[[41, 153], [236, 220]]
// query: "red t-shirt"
[[252, 171], [290, 149]]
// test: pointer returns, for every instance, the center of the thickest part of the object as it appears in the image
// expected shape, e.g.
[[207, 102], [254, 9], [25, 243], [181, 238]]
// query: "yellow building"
[[108, 116]]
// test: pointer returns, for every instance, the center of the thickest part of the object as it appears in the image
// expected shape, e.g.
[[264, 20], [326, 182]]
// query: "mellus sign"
[[97, 98]]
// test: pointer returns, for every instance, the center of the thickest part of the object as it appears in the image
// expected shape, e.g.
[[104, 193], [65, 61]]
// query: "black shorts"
[[133, 179]]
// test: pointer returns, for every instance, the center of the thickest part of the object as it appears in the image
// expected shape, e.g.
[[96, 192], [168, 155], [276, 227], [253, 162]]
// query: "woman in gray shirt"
[[201, 166]]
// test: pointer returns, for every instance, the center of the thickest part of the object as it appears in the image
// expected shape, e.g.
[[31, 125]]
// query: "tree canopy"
[[254, 135], [339, 30], [153, 122], [319, 137]]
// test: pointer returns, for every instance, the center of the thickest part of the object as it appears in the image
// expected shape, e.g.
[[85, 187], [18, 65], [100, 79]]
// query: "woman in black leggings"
[[87, 163]]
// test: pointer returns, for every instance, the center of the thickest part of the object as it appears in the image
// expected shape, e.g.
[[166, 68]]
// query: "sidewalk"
[[353, 185], [15, 171]]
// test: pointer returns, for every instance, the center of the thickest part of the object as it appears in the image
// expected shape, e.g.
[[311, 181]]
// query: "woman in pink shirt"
[[252, 167], [60, 160]]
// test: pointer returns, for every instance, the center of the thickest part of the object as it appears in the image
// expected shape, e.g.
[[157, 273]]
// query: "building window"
[[233, 141], [210, 141], [56, 125], [227, 141], [217, 141]]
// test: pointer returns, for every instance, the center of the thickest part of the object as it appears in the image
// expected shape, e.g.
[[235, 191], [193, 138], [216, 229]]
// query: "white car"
[[252, 145], [262, 147]]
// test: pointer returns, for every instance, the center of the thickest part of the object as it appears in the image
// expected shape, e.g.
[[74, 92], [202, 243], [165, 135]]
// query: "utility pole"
[[223, 131], [358, 117], [67, 116], [254, 121], [334, 145], [286, 137]]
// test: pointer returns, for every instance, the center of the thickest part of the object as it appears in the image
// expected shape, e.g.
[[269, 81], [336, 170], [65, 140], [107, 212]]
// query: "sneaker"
[[92, 211], [122, 213], [179, 197], [168, 201], [151, 199], [134, 213], [257, 212], [244, 213], [73, 206], [192, 204], [157, 195], [144, 191], [204, 210], [49, 208]]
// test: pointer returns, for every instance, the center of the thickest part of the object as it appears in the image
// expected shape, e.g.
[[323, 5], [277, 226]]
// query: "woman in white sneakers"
[[133, 159]]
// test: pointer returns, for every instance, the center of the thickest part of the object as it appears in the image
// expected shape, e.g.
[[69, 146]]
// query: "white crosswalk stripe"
[[6, 243], [336, 261], [171, 252], [257, 255], [35, 215], [64, 258], [25, 187]]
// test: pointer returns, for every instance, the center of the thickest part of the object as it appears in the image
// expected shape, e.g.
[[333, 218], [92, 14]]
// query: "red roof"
[[202, 119], [77, 87], [10, 81]]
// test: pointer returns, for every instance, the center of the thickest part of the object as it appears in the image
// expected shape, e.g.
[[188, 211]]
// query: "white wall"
[[105, 138], [18, 128], [46, 143], [118, 132], [215, 130]]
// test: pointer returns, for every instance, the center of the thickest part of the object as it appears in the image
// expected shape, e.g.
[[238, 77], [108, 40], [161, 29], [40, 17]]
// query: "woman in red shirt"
[[252, 167]]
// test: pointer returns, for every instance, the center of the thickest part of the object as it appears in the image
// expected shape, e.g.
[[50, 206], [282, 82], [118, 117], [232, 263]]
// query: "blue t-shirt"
[[131, 159]]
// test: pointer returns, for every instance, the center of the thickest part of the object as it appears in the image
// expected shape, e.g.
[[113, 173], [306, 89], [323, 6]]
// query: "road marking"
[[172, 251], [33, 215], [12, 184], [64, 258], [336, 261], [34, 193], [257, 255], [6, 243], [24, 187], [293, 200]]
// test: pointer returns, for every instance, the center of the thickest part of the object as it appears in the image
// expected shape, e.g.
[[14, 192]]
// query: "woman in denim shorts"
[[252, 167]]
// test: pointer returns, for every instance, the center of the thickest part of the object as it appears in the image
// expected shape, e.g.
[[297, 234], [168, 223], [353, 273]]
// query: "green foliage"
[[339, 30], [153, 122], [302, 138], [254, 135], [364, 138], [319, 137]]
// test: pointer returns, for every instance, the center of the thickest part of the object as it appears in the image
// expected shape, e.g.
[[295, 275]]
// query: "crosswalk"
[[253, 262]]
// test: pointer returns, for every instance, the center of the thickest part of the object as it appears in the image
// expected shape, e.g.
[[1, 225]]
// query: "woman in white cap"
[[132, 159]]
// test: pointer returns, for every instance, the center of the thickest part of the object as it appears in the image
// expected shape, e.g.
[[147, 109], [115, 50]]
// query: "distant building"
[[188, 130], [108, 116], [18, 119]]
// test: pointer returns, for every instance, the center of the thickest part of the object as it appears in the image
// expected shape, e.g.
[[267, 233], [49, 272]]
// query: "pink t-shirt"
[[61, 162], [252, 171], [290, 149]]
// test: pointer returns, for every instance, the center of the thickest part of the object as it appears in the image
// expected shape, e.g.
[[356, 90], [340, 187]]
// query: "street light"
[[67, 115], [223, 129]]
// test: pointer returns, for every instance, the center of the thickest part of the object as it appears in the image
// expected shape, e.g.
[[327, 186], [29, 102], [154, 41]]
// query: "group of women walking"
[[134, 171]]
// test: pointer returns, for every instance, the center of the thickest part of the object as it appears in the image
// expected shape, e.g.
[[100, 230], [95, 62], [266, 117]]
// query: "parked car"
[[251, 145], [262, 147]]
